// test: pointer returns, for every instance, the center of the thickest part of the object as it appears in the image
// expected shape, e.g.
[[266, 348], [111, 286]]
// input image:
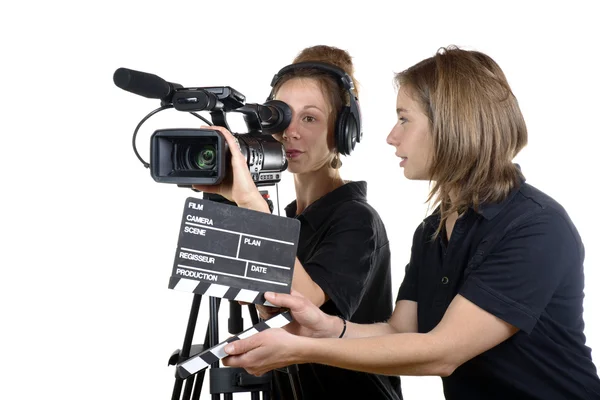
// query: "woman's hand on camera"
[[238, 185]]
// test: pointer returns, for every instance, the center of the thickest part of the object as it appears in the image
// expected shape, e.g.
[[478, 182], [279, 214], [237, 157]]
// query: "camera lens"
[[205, 158]]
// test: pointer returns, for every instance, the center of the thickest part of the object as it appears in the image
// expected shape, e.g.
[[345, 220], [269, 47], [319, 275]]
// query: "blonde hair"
[[476, 125]]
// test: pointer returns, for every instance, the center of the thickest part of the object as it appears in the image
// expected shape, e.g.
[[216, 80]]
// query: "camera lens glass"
[[204, 157]]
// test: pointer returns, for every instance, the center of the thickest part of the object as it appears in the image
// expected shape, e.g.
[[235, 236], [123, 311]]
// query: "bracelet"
[[344, 330]]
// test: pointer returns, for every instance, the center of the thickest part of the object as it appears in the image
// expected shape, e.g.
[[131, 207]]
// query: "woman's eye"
[[402, 120], [309, 118]]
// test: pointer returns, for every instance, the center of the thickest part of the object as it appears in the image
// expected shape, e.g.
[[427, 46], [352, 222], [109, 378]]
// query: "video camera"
[[200, 156]]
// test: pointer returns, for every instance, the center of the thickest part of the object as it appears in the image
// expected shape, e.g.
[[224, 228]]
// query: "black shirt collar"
[[323, 207], [490, 210]]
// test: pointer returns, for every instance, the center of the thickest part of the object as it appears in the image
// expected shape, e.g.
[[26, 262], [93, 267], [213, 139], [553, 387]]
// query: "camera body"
[[201, 156]]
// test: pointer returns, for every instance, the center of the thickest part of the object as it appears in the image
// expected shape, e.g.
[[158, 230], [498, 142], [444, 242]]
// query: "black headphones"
[[348, 129]]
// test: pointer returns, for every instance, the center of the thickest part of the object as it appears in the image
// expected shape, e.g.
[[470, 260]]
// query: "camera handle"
[[150, 114]]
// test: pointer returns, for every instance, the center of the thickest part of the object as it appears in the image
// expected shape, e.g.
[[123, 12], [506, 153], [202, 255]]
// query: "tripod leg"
[[253, 313], [189, 383], [198, 386], [215, 302], [235, 322], [200, 375], [199, 378], [266, 394], [177, 389], [187, 343], [294, 376]]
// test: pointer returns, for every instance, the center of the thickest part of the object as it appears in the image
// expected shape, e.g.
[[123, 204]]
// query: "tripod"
[[224, 381]]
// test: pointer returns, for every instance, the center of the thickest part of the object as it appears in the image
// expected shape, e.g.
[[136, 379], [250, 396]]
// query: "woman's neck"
[[314, 185], [452, 218]]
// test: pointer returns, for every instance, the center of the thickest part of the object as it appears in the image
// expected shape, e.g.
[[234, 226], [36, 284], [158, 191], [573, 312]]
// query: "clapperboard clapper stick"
[[227, 252], [216, 353]]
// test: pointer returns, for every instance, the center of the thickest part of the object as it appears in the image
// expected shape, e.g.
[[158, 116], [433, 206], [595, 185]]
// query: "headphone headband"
[[339, 73]]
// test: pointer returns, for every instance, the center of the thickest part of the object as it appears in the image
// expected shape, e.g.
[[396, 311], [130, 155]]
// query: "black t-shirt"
[[344, 248], [522, 261]]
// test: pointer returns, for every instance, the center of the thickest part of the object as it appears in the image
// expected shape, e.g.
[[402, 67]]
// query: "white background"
[[88, 238]]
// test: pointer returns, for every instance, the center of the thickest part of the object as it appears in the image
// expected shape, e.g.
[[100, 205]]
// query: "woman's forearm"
[[396, 354], [354, 330], [303, 283]]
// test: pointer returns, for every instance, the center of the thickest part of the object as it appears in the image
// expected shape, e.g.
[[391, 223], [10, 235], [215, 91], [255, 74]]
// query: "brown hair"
[[476, 125], [333, 91]]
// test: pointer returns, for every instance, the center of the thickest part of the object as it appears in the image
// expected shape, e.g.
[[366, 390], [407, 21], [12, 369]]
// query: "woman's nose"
[[291, 132], [391, 137]]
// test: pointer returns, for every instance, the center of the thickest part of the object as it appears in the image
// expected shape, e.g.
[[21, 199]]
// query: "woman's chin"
[[411, 175], [294, 169], [408, 174]]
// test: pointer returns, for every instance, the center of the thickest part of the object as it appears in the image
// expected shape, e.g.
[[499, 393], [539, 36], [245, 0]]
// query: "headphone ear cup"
[[352, 129], [345, 132], [340, 132]]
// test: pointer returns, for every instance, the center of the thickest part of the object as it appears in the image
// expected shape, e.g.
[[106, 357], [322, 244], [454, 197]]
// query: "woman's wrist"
[[343, 329], [335, 326], [256, 203]]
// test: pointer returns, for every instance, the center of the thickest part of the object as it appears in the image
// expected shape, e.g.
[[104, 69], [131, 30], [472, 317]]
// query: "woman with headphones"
[[343, 258]]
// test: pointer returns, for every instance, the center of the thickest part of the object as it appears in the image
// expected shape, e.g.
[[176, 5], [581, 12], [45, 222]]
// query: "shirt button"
[[445, 280]]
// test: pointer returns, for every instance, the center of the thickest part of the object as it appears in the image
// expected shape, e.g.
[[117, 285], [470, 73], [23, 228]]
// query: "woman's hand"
[[309, 320], [237, 186], [275, 347], [265, 351]]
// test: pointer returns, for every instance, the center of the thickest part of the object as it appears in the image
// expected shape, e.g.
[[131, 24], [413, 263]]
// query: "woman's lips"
[[292, 153]]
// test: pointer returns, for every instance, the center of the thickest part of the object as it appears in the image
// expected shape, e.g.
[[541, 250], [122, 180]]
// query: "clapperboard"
[[234, 253]]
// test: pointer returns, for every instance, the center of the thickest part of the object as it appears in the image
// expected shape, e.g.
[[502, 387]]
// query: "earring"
[[336, 162]]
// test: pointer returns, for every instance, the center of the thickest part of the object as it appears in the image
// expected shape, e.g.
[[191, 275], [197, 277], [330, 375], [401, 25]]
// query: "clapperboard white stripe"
[[246, 295], [201, 361], [186, 285], [216, 290]]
